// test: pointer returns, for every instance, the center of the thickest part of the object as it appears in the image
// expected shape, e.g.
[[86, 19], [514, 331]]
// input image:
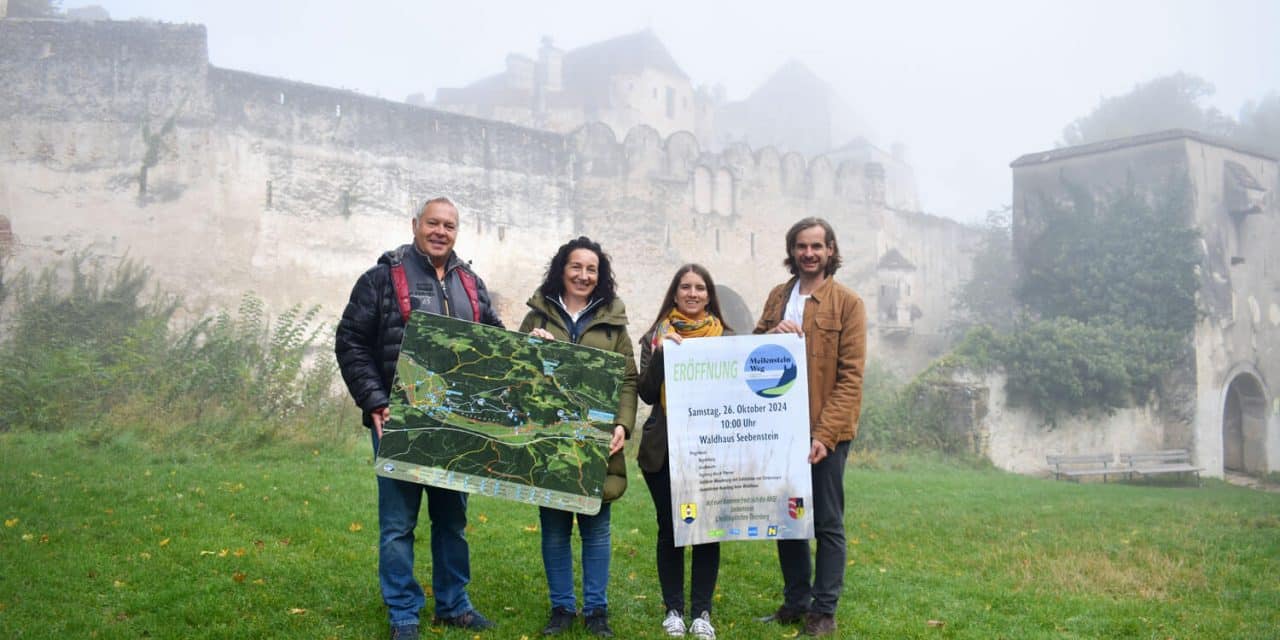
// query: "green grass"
[[111, 541]]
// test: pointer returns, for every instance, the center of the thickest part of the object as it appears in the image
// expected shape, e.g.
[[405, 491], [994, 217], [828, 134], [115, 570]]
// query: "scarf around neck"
[[708, 327]]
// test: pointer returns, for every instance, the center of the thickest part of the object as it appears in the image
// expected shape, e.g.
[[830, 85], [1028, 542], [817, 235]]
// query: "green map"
[[485, 410]]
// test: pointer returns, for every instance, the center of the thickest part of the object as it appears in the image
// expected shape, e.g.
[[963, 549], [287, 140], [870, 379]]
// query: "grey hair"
[[437, 200]]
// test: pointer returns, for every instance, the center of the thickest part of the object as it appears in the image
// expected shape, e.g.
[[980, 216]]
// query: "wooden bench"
[[1151, 463], [1082, 465]]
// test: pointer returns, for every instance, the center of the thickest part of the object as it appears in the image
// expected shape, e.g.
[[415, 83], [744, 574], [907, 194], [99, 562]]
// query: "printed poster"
[[499, 413], [738, 438]]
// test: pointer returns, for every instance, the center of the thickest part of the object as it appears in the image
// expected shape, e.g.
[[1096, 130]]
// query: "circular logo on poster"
[[770, 371]]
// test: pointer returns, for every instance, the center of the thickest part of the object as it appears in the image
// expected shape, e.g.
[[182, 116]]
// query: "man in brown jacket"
[[833, 322]]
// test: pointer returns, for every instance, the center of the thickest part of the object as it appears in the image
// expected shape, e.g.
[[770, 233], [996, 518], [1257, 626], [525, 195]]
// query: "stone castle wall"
[[291, 190]]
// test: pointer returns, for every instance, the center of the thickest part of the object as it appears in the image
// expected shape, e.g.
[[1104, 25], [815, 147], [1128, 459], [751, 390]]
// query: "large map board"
[[485, 410]]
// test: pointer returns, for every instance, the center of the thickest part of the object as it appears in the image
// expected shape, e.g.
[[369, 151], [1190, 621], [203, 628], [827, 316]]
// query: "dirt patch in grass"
[[1132, 571]]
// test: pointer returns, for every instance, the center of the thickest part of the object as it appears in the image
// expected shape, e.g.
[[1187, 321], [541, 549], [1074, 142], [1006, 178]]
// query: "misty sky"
[[968, 86]]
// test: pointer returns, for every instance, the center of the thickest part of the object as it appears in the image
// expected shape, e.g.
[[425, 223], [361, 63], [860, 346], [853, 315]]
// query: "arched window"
[[723, 204], [702, 190]]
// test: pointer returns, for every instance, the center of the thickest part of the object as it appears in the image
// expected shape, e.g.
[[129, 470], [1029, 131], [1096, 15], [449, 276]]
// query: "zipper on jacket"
[[444, 297]]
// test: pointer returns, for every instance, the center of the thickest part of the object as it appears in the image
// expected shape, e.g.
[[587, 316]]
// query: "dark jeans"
[[706, 557], [398, 505], [557, 557], [803, 589]]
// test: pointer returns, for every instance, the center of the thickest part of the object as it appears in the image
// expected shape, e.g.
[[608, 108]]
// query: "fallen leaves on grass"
[[238, 576], [297, 611], [355, 526], [937, 624], [164, 543], [11, 523]]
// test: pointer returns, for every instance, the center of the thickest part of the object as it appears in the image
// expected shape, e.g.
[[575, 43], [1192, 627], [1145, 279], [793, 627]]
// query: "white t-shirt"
[[795, 306], [572, 316]]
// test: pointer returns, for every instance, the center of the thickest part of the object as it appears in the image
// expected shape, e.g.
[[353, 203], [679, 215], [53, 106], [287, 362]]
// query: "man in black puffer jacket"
[[433, 279]]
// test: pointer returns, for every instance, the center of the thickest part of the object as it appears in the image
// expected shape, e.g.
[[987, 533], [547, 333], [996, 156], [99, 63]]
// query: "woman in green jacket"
[[577, 303]]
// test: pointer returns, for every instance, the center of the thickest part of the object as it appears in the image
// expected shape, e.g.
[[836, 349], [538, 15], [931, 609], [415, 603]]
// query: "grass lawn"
[[115, 542]]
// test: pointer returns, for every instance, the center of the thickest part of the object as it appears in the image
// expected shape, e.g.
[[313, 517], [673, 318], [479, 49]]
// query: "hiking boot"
[[819, 624], [785, 615], [701, 627], [673, 624], [597, 623], [404, 632], [467, 620], [561, 620]]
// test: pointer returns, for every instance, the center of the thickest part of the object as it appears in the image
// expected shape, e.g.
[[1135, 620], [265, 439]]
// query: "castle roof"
[[630, 53], [893, 259], [1105, 146], [793, 108], [585, 73]]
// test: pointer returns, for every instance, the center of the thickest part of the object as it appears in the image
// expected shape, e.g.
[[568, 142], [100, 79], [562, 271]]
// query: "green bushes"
[[904, 417], [1108, 288], [91, 348]]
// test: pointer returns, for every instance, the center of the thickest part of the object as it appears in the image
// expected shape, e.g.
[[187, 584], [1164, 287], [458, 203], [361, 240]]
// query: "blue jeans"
[[557, 557], [398, 505]]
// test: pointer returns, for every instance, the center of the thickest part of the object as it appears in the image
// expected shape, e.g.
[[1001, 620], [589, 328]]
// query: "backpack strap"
[[468, 280], [401, 285]]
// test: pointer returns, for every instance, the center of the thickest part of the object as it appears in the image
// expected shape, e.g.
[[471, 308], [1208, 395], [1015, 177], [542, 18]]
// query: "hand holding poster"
[[738, 438]]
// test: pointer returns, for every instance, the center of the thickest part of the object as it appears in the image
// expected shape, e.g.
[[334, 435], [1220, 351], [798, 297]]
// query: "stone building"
[[290, 190], [1223, 405], [795, 109], [624, 82]]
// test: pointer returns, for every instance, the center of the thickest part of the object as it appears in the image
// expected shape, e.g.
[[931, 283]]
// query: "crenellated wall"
[[291, 190]]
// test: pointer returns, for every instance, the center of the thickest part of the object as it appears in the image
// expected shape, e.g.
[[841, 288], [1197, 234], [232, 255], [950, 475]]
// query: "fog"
[[967, 87]]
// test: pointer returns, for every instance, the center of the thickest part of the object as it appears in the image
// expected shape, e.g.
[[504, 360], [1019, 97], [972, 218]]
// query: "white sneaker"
[[673, 625], [702, 628]]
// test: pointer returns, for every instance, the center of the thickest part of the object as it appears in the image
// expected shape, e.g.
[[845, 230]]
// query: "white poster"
[[738, 438]]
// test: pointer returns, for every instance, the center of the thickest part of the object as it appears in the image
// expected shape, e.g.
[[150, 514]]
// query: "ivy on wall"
[[1108, 302]]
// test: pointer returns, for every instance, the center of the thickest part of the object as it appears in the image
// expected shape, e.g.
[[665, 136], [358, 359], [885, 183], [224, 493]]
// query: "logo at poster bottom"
[[689, 512], [770, 371], [795, 508]]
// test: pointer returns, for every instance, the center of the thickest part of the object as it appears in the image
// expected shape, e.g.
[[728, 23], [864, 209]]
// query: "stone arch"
[[682, 152], [723, 200], [792, 171], [821, 178], [1244, 425], [599, 153], [702, 187], [768, 171], [735, 310], [644, 150], [739, 156]]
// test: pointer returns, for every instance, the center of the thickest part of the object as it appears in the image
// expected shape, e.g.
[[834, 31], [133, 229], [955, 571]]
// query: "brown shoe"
[[819, 624], [785, 615]]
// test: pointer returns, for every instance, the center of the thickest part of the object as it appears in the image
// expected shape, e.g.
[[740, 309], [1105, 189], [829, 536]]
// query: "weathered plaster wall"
[[1016, 439], [291, 190]]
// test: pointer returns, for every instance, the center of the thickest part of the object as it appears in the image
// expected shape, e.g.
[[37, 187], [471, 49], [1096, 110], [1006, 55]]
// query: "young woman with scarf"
[[690, 310]]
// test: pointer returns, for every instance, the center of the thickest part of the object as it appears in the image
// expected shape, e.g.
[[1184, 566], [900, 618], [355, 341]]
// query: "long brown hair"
[[669, 303]]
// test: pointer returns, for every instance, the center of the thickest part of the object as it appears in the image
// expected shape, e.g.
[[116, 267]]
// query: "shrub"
[[90, 349]]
